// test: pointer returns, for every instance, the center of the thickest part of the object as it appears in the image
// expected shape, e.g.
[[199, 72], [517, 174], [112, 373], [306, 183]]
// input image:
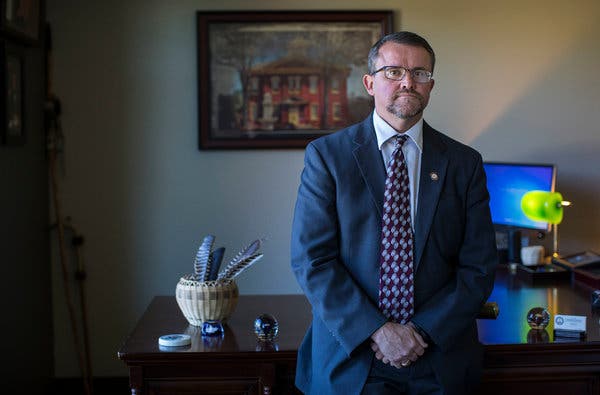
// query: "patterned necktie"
[[396, 273]]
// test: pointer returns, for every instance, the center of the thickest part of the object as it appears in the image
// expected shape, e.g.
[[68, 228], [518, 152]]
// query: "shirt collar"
[[384, 131]]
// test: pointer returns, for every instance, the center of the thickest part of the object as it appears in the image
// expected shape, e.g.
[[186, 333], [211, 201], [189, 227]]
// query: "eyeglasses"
[[397, 73]]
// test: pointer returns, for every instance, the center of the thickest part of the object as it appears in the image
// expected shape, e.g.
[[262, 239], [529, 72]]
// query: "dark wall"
[[25, 290]]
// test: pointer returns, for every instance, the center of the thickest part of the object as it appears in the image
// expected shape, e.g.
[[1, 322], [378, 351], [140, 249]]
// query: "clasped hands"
[[397, 344]]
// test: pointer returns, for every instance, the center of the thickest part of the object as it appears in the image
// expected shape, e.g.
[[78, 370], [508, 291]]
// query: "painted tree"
[[339, 49], [239, 47]]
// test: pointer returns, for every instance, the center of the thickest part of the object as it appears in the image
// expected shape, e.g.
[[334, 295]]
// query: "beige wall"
[[518, 80]]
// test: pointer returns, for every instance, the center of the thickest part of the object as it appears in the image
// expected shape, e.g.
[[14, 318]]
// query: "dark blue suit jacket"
[[335, 257]]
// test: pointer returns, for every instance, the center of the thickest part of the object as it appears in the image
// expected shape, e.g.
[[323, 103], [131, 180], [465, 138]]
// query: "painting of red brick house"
[[296, 93], [271, 83]]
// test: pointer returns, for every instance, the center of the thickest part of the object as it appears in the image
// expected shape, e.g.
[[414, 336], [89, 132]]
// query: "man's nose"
[[408, 81]]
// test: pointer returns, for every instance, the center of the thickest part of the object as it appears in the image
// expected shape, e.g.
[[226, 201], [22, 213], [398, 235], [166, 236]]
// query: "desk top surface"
[[513, 296], [516, 297], [163, 317]]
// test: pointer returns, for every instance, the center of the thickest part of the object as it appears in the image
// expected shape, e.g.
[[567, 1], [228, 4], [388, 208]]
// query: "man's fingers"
[[374, 347], [398, 343], [419, 350], [420, 340], [417, 335]]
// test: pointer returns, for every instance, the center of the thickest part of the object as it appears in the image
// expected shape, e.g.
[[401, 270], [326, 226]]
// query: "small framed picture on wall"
[[12, 94], [20, 19]]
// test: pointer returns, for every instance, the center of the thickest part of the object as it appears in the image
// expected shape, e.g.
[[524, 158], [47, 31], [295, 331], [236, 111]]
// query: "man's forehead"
[[392, 50]]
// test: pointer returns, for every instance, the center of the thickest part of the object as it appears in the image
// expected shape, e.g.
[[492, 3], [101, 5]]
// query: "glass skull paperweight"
[[538, 318], [266, 327]]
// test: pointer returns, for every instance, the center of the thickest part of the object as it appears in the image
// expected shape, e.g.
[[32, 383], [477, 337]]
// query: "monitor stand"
[[514, 246]]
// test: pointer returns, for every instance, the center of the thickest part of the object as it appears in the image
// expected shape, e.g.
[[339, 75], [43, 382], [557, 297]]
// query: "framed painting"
[[21, 19], [12, 61], [280, 79]]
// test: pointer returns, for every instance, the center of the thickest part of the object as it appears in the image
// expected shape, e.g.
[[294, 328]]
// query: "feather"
[[236, 267], [248, 251], [207, 268], [216, 258], [202, 261]]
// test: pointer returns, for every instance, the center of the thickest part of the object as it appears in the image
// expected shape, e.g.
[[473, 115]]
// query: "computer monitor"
[[508, 182]]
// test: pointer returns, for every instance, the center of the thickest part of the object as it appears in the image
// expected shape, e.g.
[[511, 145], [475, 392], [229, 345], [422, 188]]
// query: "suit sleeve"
[[337, 300], [453, 309]]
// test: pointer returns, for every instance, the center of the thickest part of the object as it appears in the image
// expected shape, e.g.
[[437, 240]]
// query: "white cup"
[[532, 255]]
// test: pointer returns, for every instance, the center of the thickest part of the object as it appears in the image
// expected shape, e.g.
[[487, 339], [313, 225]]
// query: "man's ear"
[[368, 83]]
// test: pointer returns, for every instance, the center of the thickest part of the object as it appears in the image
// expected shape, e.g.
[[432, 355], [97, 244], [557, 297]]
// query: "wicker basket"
[[206, 301]]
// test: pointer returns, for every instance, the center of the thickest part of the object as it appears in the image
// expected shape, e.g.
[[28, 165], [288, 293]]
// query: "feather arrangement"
[[208, 261]]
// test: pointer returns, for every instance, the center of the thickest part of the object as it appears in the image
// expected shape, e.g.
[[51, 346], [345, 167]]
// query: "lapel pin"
[[434, 176]]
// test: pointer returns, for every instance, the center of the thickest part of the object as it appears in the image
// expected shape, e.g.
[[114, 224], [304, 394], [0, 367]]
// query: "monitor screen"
[[508, 182]]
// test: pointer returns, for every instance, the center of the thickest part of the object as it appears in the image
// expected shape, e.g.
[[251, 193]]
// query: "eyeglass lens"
[[398, 73]]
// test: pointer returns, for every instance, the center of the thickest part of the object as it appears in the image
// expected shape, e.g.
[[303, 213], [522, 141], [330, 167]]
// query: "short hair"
[[407, 38]]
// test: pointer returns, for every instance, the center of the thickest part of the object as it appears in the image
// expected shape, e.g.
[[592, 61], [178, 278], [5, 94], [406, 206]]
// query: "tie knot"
[[401, 139]]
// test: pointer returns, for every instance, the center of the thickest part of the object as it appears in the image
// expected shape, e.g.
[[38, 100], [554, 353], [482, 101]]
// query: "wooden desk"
[[236, 364], [517, 361]]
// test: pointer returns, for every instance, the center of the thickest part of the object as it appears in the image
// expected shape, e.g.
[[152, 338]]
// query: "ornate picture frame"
[[280, 79]]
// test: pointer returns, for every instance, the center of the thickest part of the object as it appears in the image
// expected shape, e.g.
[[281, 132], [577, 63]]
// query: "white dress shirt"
[[412, 150]]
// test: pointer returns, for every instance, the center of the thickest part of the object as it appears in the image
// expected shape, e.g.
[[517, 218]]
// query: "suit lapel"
[[369, 161], [434, 163]]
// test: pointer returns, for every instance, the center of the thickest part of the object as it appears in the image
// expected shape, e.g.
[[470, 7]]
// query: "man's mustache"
[[407, 91]]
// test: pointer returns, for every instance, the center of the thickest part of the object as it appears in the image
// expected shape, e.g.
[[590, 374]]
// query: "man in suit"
[[357, 343]]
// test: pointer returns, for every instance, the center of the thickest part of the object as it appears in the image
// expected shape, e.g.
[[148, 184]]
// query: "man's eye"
[[394, 72]]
